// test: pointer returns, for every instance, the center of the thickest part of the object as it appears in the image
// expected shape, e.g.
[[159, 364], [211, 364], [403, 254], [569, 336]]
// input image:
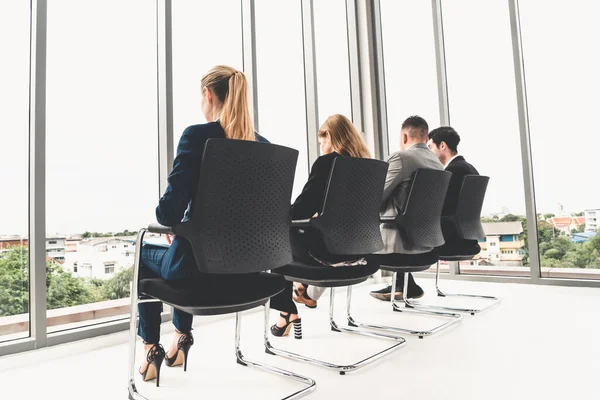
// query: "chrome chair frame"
[[134, 393], [472, 311], [342, 369], [409, 307]]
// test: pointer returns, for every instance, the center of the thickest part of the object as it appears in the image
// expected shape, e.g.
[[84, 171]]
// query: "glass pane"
[[333, 66], [483, 110], [14, 139], [280, 70], [196, 49], [561, 70], [409, 64], [102, 155]]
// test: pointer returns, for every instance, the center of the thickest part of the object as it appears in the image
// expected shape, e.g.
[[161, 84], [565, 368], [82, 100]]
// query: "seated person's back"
[[337, 137], [444, 141], [402, 166]]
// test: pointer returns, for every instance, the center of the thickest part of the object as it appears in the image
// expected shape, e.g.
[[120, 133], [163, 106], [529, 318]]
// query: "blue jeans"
[[154, 265]]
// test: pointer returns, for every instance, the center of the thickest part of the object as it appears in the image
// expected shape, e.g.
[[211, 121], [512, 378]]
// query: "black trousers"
[[303, 241]]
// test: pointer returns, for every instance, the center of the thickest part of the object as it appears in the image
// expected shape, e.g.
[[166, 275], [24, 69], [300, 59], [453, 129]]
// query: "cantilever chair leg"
[[133, 392], [472, 311], [342, 369], [409, 308], [311, 384]]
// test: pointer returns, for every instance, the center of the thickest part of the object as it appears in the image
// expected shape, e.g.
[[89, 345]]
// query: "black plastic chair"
[[238, 229], [349, 223], [465, 225], [419, 224]]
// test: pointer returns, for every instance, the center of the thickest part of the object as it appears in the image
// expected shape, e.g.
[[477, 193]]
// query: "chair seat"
[[459, 250], [215, 294], [318, 275], [396, 262]]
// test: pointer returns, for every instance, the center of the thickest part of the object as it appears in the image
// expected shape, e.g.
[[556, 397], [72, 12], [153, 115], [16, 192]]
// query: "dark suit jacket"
[[309, 202], [459, 168], [174, 205]]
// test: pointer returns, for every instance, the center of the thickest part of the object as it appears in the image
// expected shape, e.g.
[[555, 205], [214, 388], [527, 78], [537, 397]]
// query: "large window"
[[562, 60], [483, 110], [280, 70], [14, 133], [333, 66], [409, 64], [201, 41], [102, 156]]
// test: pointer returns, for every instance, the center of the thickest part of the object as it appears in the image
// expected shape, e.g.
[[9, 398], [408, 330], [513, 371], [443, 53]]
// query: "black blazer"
[[309, 202], [459, 168]]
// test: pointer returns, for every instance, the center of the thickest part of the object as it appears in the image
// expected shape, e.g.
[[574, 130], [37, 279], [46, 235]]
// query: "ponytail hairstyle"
[[231, 88], [345, 139]]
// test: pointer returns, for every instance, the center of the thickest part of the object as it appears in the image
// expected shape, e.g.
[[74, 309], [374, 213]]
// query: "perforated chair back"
[[349, 220], [420, 222], [240, 216], [467, 219]]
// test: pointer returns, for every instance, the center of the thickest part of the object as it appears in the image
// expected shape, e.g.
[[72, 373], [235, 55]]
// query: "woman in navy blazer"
[[337, 137], [225, 105]]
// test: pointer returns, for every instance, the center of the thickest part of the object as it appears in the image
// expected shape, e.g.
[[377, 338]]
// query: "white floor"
[[541, 342]]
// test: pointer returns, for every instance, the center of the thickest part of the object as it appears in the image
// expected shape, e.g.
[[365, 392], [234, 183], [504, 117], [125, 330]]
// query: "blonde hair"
[[345, 139], [231, 88]]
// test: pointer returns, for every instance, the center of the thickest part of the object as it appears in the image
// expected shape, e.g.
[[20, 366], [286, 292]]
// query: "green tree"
[[65, 290], [62, 288], [580, 228], [548, 216], [581, 255], [119, 286], [510, 218], [14, 288]]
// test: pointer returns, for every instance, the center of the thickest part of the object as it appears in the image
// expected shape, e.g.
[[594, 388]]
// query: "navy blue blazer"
[[174, 205]]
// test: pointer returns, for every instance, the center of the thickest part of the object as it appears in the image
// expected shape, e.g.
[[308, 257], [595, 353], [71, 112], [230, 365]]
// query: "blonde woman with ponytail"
[[225, 107], [337, 137]]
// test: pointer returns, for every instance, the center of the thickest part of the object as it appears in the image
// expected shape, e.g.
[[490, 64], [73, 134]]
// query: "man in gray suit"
[[414, 154]]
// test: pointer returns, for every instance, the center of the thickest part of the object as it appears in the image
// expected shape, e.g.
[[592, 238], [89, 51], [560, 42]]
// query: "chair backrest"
[[240, 216], [467, 218], [420, 222], [349, 221]]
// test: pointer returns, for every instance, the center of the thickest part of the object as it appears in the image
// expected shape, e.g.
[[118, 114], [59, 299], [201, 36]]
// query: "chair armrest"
[[386, 219], [155, 227], [301, 223]]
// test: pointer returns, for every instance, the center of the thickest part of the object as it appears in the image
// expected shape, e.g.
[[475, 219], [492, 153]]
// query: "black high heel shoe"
[[285, 330], [183, 347], [155, 357]]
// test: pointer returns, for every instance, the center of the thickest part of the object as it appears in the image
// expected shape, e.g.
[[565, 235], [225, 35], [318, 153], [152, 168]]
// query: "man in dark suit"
[[444, 141]]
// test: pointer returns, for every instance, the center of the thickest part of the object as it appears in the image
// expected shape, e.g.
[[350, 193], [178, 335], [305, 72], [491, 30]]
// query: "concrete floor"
[[541, 342]]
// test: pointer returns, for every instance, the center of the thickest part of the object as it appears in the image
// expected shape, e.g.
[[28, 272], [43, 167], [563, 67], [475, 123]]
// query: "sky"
[[101, 95]]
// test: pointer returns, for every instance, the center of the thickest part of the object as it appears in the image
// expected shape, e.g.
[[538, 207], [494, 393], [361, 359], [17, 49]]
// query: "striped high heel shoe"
[[285, 330]]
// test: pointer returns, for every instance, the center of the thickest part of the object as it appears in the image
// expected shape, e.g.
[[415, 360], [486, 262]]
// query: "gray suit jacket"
[[402, 165]]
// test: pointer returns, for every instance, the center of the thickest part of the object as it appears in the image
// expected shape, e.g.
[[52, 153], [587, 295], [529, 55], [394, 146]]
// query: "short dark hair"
[[417, 123], [445, 134]]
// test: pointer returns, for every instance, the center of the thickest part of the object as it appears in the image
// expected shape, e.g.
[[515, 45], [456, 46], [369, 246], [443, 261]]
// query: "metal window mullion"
[[442, 84], [164, 56], [165, 91], [440, 60], [520, 86], [249, 55], [354, 65], [310, 80], [371, 69], [37, 172]]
